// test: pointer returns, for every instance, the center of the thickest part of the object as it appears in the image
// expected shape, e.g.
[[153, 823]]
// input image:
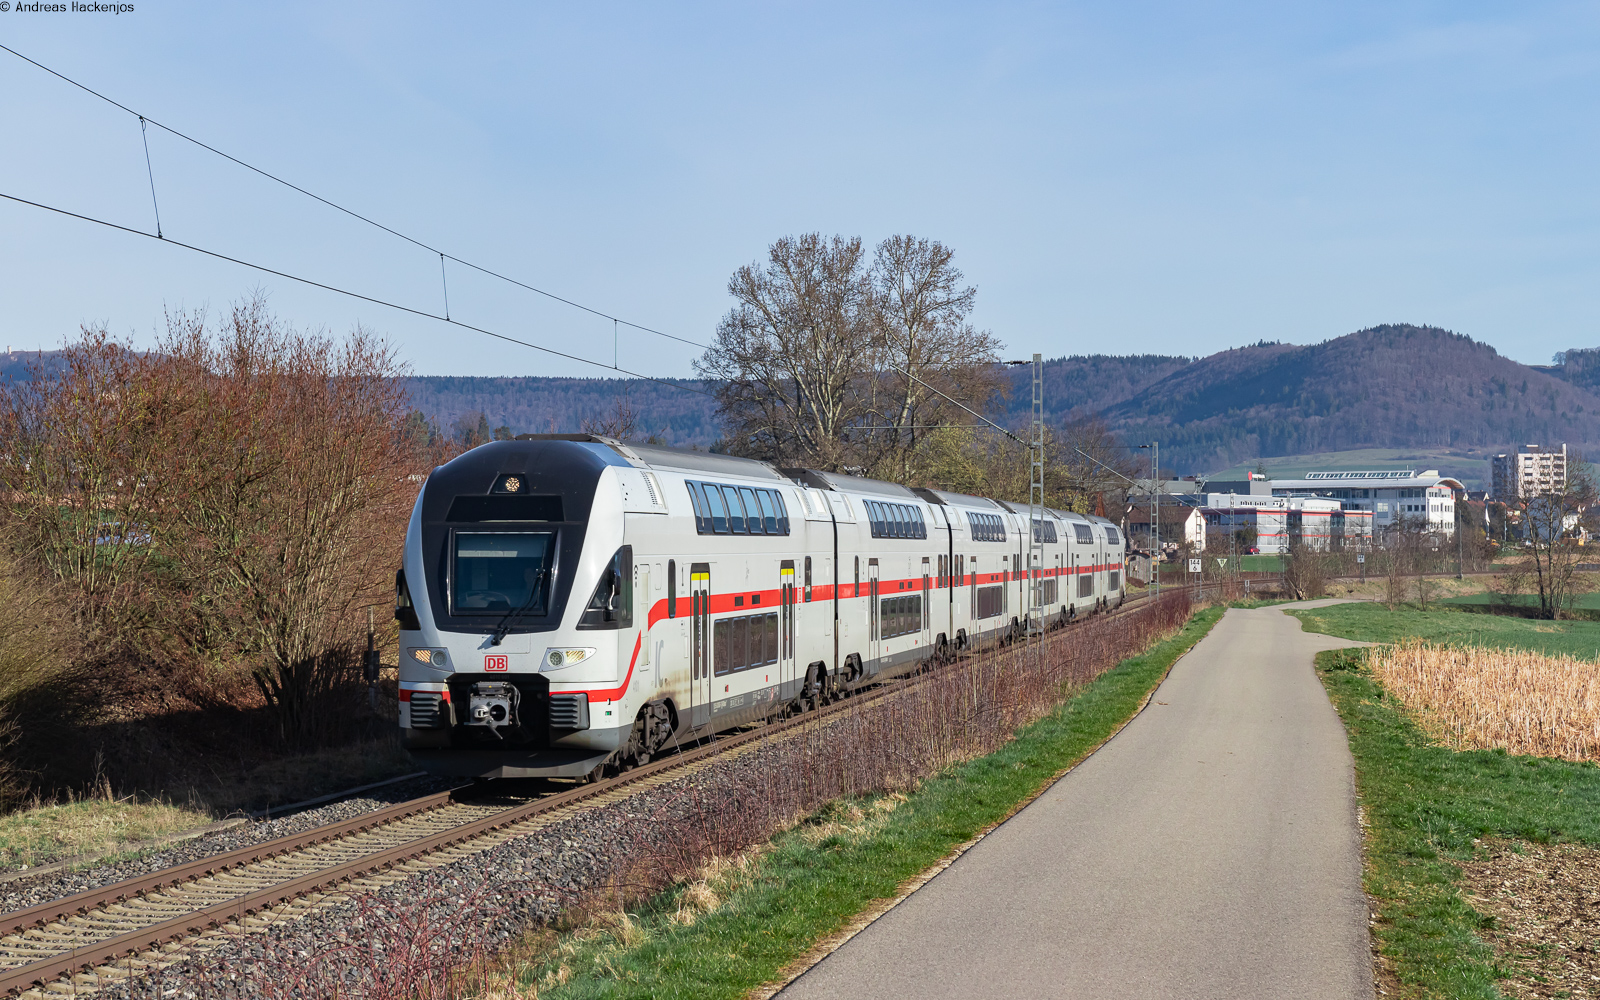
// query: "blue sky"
[[1115, 178]]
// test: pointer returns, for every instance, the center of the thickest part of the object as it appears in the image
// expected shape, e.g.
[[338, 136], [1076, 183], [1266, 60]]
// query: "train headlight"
[[432, 657], [555, 659]]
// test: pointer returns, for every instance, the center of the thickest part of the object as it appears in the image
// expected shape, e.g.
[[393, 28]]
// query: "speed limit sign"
[[1194, 565]]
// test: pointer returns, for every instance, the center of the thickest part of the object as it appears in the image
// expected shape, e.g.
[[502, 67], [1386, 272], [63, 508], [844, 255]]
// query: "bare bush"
[[1305, 573], [227, 502]]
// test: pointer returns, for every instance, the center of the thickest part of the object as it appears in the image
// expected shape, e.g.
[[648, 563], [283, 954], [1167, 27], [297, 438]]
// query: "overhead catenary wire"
[[151, 173], [340, 208], [443, 256], [346, 292]]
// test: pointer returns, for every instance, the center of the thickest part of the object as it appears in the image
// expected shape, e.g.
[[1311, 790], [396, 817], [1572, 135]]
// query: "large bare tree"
[[826, 359], [792, 356], [925, 344]]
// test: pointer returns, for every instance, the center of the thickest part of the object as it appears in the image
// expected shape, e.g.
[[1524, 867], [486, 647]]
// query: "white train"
[[568, 603]]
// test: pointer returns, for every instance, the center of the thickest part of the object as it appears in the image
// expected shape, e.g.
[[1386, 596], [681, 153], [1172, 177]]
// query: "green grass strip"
[[809, 882], [1427, 804], [1376, 623]]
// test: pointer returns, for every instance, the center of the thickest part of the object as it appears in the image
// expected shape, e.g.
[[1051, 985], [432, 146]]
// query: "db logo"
[[491, 663]]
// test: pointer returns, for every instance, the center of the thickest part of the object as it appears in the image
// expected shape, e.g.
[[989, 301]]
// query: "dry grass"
[[1521, 701], [49, 833]]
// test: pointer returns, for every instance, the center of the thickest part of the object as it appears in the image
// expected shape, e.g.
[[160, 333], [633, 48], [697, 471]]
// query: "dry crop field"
[[1473, 697]]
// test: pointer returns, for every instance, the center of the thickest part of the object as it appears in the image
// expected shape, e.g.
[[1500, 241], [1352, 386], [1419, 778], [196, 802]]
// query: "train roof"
[[841, 483], [947, 499], [670, 459]]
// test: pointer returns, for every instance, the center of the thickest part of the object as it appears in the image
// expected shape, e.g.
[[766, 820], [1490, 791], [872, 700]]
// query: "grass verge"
[[43, 834], [1376, 623], [743, 922], [1428, 806]]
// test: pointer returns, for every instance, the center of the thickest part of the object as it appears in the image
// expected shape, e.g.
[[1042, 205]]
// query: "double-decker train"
[[569, 603]]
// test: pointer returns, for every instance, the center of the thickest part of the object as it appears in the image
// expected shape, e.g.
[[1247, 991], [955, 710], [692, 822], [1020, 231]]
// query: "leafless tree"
[[826, 359], [924, 344], [1092, 470], [221, 505], [1553, 523], [621, 424], [792, 359]]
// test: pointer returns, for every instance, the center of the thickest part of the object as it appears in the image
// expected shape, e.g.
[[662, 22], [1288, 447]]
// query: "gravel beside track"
[[24, 893], [467, 900]]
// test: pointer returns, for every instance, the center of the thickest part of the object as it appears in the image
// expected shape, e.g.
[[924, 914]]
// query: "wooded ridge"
[[1391, 386]]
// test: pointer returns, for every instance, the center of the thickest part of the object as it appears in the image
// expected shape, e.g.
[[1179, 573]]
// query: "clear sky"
[[1115, 177]]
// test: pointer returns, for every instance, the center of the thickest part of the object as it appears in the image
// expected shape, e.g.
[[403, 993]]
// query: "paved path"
[[1210, 850]]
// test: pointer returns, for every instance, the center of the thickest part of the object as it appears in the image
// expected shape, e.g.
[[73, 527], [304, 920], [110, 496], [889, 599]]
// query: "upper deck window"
[[986, 527], [738, 510], [895, 520]]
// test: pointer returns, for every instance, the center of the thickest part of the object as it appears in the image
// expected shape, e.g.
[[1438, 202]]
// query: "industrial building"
[[1277, 522], [1388, 496]]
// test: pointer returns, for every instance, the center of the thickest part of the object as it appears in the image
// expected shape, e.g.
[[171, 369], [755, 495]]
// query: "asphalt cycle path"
[[1210, 850]]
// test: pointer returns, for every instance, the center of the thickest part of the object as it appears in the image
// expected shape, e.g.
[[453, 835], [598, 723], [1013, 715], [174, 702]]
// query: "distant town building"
[[1182, 524], [1528, 471], [1391, 496], [1277, 522]]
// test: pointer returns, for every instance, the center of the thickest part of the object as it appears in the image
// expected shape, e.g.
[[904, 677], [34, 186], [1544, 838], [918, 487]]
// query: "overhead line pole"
[[1036, 504]]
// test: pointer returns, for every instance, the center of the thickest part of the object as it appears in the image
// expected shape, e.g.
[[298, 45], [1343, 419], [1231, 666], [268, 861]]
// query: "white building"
[[1389, 496], [1528, 471], [1319, 524]]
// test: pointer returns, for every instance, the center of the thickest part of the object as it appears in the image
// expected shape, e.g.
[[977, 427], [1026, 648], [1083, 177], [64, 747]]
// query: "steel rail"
[[157, 935]]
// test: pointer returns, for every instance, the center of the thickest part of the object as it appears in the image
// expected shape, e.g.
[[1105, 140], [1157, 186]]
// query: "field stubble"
[[1473, 697]]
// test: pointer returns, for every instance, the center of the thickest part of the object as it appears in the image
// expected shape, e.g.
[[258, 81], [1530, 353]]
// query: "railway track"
[[83, 942]]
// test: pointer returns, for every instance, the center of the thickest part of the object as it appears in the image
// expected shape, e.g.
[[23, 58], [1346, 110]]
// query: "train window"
[[1085, 585], [769, 512], [771, 645], [730, 495], [702, 515], [857, 592], [722, 646], [900, 615], [1083, 533], [1113, 580], [672, 588], [922, 525], [783, 513], [752, 511], [1044, 531], [719, 513], [1112, 538], [738, 510], [986, 527], [611, 604], [500, 573]]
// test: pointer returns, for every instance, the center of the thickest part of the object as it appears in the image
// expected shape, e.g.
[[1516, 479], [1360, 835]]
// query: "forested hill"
[[540, 405], [1387, 387], [1396, 386]]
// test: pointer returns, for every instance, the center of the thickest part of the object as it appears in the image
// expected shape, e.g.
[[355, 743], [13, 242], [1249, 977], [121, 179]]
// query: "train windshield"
[[500, 571]]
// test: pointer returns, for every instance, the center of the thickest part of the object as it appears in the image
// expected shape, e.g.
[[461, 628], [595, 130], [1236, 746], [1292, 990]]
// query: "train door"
[[925, 600], [874, 614], [786, 667], [700, 644]]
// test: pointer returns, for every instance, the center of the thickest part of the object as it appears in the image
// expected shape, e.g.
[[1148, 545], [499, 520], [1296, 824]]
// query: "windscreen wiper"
[[504, 627]]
